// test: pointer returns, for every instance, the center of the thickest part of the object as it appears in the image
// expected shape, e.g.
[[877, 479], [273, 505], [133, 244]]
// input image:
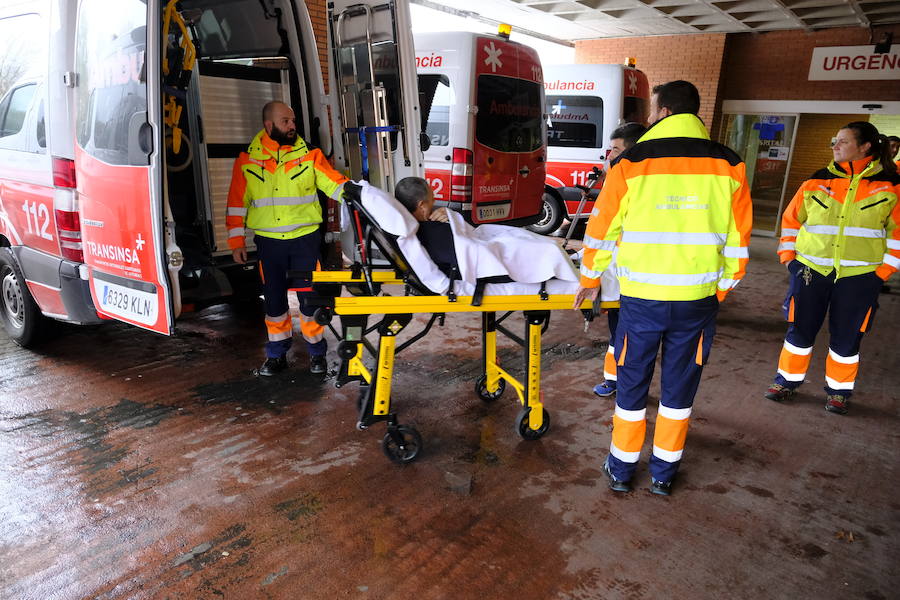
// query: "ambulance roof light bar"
[[503, 30], [631, 62]]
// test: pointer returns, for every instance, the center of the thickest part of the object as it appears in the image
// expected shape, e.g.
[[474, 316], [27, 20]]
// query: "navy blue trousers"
[[276, 258], [684, 332], [849, 302]]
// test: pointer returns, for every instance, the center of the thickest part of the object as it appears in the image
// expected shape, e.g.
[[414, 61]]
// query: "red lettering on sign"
[[859, 63], [843, 62], [829, 63], [434, 60]]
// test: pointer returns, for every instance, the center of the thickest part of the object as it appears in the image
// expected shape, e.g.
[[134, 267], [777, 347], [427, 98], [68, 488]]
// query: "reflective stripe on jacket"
[[846, 218], [681, 205], [273, 190]]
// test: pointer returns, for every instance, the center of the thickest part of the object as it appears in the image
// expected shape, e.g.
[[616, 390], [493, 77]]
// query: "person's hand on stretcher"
[[439, 215], [583, 293]]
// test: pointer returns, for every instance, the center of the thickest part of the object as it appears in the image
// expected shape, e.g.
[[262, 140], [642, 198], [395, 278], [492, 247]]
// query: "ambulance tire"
[[19, 313], [525, 431], [482, 392], [407, 437], [552, 214]]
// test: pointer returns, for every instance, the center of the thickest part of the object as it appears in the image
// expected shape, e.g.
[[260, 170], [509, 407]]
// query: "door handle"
[[524, 171]]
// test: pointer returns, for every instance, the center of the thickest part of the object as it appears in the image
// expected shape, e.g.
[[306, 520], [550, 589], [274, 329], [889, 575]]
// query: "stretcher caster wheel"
[[527, 432], [402, 444], [482, 392], [323, 315]]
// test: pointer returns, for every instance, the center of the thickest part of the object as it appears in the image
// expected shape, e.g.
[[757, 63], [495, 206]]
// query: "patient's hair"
[[410, 191]]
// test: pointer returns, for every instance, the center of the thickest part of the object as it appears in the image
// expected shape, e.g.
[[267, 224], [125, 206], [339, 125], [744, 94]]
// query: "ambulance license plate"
[[128, 303], [494, 212]]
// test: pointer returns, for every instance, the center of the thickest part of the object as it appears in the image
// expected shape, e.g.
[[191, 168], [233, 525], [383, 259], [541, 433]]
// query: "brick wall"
[[318, 14], [774, 65], [694, 58], [812, 150]]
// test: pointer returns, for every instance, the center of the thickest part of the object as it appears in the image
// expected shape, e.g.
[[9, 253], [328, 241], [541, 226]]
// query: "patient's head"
[[415, 194]]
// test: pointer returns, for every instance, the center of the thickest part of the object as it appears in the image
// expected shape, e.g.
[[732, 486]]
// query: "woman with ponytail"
[[840, 240]]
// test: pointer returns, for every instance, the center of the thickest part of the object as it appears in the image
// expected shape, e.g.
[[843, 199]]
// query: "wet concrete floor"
[[138, 466]]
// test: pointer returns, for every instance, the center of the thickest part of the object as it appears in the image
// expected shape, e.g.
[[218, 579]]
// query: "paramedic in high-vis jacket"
[[681, 205], [274, 193]]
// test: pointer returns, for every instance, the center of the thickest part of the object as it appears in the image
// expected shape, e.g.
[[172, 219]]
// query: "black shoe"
[[661, 488], [837, 404], [317, 365], [272, 366], [616, 485]]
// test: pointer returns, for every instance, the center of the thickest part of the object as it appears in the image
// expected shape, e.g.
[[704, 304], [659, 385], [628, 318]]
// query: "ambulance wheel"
[[402, 445], [482, 392], [19, 314], [527, 432], [552, 215]]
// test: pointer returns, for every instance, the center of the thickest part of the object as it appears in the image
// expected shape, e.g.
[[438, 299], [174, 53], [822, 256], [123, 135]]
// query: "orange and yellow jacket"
[[678, 206], [845, 218], [273, 190]]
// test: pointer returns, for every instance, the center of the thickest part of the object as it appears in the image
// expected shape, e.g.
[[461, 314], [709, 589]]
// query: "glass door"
[[765, 142]]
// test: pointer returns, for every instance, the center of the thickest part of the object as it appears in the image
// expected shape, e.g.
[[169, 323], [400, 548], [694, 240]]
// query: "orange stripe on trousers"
[[670, 433], [628, 436], [841, 371], [279, 326], [795, 364], [624, 349], [311, 329], [609, 363]]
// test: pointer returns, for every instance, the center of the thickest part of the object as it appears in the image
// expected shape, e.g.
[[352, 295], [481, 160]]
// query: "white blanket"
[[492, 250], [395, 219]]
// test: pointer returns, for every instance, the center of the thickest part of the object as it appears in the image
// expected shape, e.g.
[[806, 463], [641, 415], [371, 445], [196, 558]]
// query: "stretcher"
[[392, 314]]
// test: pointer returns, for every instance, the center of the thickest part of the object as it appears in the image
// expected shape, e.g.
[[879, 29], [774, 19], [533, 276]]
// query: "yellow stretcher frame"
[[402, 443]]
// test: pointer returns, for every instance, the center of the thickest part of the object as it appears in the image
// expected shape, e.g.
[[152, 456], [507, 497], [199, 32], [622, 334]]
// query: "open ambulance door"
[[118, 161], [372, 69]]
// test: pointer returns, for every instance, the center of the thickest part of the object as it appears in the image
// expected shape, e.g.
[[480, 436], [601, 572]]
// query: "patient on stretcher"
[[482, 255], [434, 231], [487, 251]]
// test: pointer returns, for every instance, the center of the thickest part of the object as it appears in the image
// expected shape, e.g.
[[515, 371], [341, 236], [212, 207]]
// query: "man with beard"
[[273, 194]]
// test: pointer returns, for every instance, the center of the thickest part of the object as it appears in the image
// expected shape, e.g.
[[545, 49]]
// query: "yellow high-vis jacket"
[[845, 218], [273, 190], [678, 207]]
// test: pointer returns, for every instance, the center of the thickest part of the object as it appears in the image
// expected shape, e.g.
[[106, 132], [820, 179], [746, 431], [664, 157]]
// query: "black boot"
[[272, 366], [317, 365]]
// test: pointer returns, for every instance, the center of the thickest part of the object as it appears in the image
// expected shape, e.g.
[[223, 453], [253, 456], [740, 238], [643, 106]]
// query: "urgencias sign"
[[853, 63]]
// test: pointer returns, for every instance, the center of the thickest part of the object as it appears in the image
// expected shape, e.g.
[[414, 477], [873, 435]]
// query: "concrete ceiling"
[[587, 19]]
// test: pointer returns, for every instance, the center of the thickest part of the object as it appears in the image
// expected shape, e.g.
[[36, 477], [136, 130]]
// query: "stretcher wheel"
[[482, 392], [527, 432], [402, 444], [347, 350], [323, 315]]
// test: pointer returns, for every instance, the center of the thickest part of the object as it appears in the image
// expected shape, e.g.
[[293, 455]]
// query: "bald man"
[[274, 194]]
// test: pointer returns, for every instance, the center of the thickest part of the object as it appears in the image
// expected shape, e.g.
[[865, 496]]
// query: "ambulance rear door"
[[508, 129], [118, 161], [373, 80]]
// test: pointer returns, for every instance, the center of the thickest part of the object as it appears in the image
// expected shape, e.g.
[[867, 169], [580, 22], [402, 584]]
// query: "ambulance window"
[[509, 114], [23, 47], [111, 92], [575, 121], [41, 127], [435, 99], [635, 110], [236, 29], [14, 109]]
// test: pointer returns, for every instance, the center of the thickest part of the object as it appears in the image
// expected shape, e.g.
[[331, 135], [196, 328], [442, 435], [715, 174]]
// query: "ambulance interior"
[[244, 59]]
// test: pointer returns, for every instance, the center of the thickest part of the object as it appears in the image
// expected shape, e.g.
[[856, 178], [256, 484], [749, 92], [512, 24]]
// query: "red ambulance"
[[482, 103], [100, 217]]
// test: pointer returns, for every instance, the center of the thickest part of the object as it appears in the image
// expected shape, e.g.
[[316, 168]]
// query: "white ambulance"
[[482, 111], [585, 104], [116, 146]]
